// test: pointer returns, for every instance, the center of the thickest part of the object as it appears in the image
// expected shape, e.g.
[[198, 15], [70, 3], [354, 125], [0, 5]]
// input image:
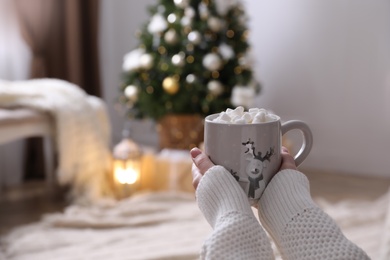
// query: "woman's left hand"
[[201, 163]]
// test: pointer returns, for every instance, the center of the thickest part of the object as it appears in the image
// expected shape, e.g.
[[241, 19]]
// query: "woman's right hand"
[[287, 160]]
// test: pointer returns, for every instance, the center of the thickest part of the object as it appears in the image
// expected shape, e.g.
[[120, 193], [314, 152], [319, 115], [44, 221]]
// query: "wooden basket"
[[180, 131]]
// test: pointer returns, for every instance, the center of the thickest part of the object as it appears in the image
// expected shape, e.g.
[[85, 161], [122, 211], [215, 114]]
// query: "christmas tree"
[[192, 58]]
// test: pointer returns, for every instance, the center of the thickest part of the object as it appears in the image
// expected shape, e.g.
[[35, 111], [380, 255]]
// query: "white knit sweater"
[[299, 228]]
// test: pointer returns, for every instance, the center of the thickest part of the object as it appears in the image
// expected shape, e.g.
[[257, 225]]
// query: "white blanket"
[[149, 226], [82, 130], [165, 226]]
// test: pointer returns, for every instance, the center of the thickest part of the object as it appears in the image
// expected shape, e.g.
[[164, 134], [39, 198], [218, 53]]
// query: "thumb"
[[201, 160]]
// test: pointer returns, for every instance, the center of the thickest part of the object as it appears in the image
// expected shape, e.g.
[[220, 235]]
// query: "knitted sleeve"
[[300, 229], [237, 234]]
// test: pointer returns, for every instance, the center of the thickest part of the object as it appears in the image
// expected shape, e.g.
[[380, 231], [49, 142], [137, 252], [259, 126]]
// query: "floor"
[[26, 203], [336, 187]]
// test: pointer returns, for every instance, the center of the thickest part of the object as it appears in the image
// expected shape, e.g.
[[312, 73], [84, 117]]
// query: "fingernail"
[[195, 152]]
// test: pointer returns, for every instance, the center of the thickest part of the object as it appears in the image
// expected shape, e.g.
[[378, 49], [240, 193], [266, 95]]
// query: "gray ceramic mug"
[[252, 152]]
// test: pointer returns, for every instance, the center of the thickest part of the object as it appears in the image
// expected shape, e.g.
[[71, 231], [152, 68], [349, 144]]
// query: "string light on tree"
[[178, 59], [195, 37], [181, 3]]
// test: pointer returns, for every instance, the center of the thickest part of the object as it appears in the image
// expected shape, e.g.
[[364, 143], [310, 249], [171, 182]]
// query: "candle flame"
[[126, 176]]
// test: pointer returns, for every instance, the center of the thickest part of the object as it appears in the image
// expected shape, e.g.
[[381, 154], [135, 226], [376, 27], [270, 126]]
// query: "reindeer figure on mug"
[[255, 166]]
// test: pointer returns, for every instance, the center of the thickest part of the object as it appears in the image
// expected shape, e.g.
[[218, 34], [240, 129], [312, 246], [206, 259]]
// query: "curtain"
[[74, 52], [63, 37]]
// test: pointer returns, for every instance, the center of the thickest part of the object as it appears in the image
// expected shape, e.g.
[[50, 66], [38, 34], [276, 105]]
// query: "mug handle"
[[307, 138]]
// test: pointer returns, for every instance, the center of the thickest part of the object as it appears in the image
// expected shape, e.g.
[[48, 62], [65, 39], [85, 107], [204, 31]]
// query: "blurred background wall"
[[328, 63], [120, 20]]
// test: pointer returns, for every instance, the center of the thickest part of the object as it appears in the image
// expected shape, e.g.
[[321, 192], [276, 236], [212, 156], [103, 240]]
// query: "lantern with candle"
[[126, 167]]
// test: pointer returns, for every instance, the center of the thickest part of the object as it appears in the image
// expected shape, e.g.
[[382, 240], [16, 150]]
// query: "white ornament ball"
[[212, 62], [189, 12], [215, 87], [181, 3], [215, 24], [191, 78], [172, 18], [203, 11], [157, 24], [131, 92], [226, 51], [195, 37], [146, 61], [178, 59], [131, 61], [186, 21], [171, 36]]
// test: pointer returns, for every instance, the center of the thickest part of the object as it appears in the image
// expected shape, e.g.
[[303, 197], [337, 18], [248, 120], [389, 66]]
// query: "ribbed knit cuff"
[[285, 196], [219, 193]]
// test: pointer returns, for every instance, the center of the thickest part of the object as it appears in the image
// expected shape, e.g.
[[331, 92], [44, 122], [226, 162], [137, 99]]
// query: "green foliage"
[[191, 94]]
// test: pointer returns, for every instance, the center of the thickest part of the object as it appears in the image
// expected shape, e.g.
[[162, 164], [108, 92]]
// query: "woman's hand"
[[287, 160], [201, 163]]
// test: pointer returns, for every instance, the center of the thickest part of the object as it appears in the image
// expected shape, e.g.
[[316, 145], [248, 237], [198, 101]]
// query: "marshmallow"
[[247, 117], [223, 116], [240, 116], [229, 110], [239, 111], [260, 117], [270, 117], [253, 109], [239, 121]]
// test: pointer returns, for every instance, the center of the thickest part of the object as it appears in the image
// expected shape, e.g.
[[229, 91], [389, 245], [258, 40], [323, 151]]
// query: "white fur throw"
[[82, 131], [158, 226]]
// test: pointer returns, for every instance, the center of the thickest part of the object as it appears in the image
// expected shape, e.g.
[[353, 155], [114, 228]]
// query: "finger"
[[195, 152], [195, 171], [285, 149], [201, 160], [196, 176], [288, 161]]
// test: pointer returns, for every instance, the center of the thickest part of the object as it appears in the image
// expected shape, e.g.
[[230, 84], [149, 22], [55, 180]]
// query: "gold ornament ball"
[[171, 85]]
